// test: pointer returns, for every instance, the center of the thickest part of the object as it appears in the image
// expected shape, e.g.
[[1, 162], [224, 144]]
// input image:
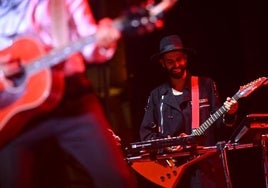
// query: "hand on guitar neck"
[[231, 105], [10, 69], [107, 35]]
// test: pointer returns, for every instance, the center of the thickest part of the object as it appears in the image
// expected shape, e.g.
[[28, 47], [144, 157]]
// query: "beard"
[[177, 72]]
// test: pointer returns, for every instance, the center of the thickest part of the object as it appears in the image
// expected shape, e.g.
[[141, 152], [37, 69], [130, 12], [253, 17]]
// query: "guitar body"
[[166, 173], [37, 92]]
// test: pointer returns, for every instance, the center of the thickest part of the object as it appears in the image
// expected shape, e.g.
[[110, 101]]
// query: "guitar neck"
[[56, 56], [216, 115], [204, 126], [137, 21]]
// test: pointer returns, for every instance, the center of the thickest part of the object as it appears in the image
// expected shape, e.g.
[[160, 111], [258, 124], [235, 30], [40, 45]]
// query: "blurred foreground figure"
[[47, 112]]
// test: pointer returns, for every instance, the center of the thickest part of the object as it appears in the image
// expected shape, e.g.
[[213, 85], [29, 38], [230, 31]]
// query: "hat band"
[[171, 47]]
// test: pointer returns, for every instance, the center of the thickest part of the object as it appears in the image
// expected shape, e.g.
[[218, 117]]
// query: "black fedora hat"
[[168, 44]]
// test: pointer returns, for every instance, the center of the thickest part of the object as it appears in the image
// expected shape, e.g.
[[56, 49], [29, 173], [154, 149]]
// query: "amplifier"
[[252, 127]]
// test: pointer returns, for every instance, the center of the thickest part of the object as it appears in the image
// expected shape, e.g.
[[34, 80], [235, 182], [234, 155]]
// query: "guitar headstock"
[[161, 7], [145, 18], [249, 88]]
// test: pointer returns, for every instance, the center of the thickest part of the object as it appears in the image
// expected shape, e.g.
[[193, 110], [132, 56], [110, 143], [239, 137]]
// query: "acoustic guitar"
[[40, 85]]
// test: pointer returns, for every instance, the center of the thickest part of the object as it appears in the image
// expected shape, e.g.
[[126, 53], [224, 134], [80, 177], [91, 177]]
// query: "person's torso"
[[174, 112], [31, 18]]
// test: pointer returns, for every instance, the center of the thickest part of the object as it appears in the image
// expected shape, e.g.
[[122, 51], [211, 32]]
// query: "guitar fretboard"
[[56, 56], [204, 126]]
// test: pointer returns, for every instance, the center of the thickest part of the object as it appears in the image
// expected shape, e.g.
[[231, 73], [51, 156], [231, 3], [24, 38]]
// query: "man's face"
[[175, 63]]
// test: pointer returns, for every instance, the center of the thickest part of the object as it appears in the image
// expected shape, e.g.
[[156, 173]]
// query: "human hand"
[[231, 105], [116, 138], [177, 147], [9, 67], [107, 34]]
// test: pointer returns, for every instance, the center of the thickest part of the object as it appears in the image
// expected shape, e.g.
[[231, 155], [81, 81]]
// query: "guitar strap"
[[59, 27], [195, 102]]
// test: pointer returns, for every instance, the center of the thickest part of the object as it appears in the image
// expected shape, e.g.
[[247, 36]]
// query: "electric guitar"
[[243, 91], [40, 86], [158, 168]]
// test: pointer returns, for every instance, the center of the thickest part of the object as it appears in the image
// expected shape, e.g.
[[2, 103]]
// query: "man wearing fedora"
[[171, 110]]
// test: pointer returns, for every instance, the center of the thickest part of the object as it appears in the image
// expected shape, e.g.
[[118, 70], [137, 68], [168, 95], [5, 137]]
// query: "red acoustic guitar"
[[39, 88]]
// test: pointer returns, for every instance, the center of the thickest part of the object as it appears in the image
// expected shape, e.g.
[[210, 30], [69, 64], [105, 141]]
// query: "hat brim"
[[156, 57]]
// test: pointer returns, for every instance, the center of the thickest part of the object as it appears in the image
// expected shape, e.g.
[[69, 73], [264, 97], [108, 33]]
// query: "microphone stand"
[[264, 139], [222, 146]]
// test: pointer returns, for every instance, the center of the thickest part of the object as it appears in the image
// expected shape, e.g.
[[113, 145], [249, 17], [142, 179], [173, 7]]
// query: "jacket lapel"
[[169, 98]]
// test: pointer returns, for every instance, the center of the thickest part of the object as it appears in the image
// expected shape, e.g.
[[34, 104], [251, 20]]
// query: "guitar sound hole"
[[19, 77]]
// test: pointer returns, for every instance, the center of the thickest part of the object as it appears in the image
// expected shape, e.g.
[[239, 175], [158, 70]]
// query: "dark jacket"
[[167, 114]]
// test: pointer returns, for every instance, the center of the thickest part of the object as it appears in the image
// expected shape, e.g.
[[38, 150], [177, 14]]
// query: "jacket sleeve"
[[149, 128], [227, 120], [223, 129], [215, 99], [215, 102]]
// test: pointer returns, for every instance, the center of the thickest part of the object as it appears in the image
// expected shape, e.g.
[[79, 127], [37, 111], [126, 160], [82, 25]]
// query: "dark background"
[[230, 38]]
